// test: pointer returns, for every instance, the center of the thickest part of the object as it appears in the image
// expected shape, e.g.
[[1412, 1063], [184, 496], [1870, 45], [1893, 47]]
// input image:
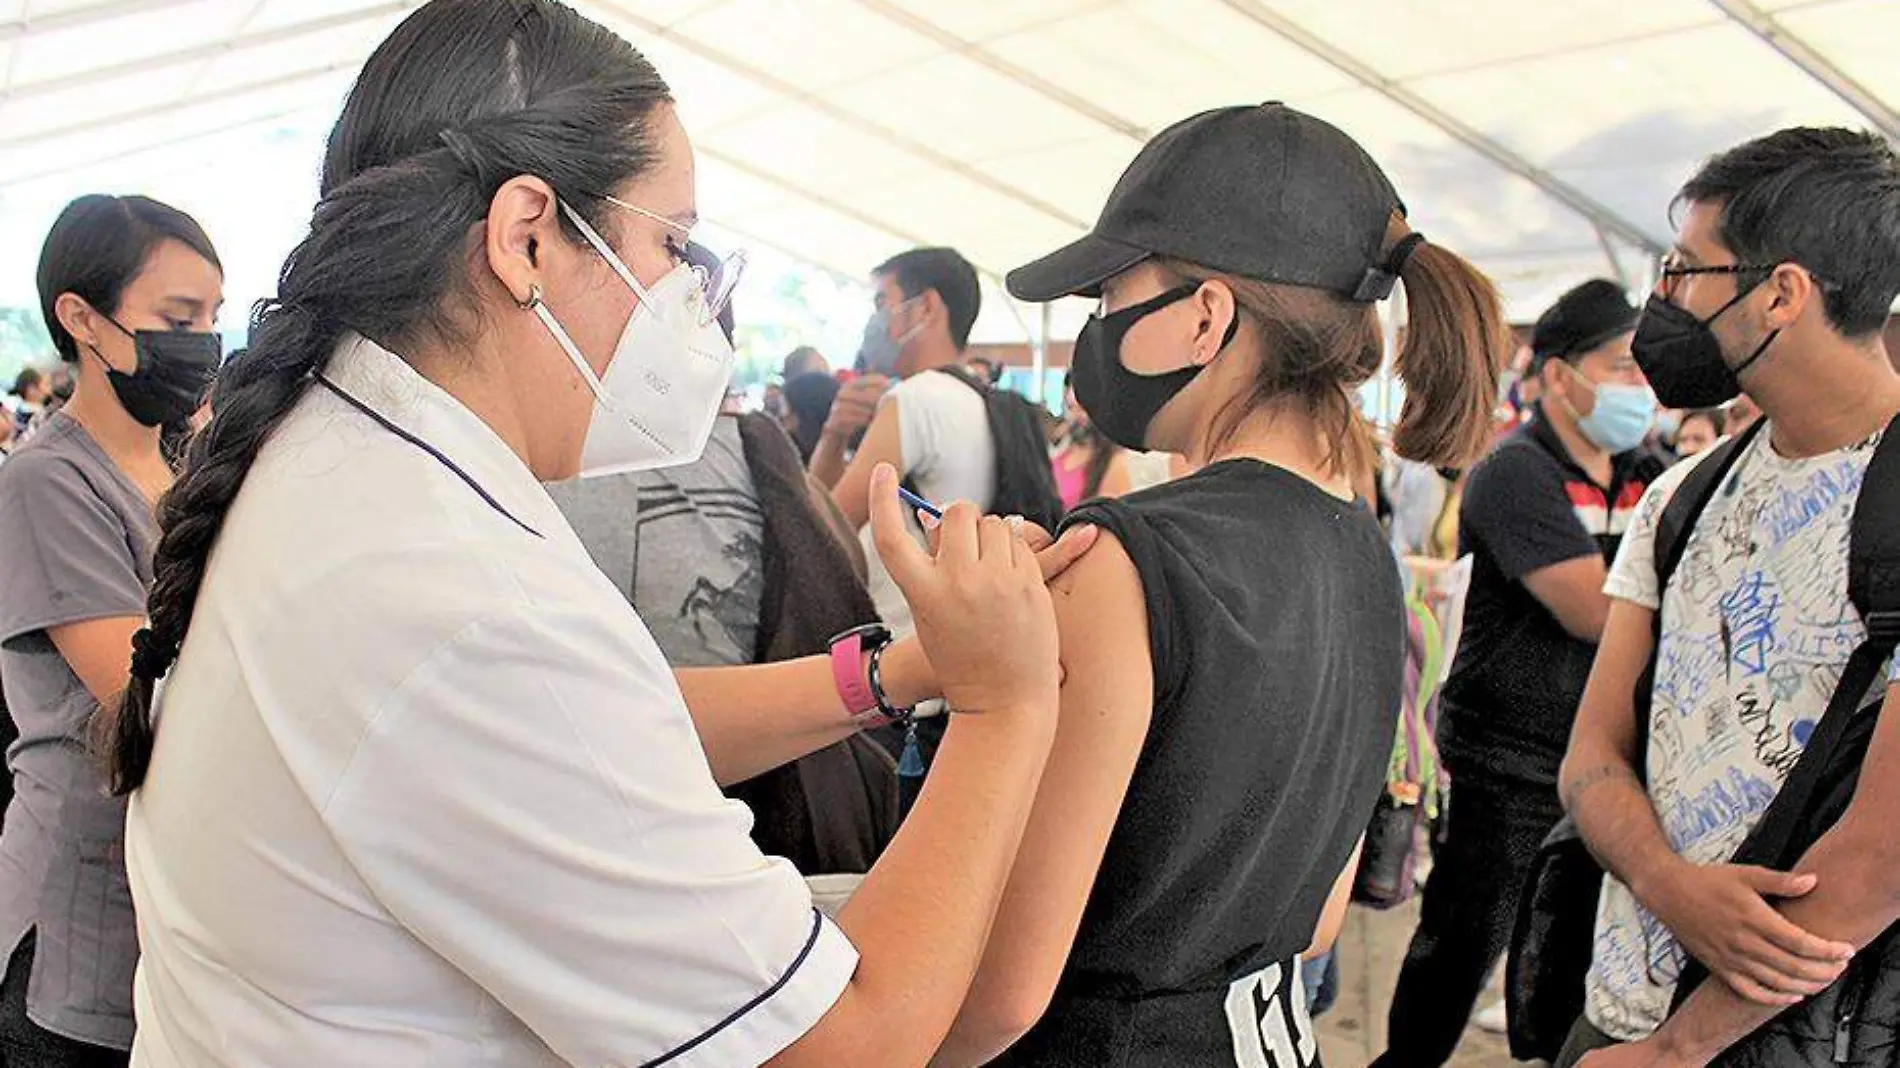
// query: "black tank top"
[[1276, 625]]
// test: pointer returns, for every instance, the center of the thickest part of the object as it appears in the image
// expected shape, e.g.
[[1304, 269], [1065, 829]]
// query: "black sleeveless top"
[[1276, 626]]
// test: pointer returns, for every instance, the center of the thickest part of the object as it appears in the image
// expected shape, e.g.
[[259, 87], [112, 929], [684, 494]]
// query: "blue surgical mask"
[[1669, 423], [1622, 417]]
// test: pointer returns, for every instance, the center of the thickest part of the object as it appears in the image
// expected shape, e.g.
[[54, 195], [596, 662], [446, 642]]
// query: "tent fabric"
[[1542, 140]]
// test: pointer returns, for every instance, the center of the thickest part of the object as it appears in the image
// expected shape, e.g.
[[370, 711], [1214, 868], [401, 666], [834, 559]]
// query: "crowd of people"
[[458, 675]]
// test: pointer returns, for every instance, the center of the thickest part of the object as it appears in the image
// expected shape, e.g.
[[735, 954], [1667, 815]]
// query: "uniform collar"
[[418, 409]]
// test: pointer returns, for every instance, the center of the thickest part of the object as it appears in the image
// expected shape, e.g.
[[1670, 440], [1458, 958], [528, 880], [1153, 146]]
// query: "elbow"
[[1573, 762], [1586, 626], [1582, 615], [1573, 768], [997, 1019], [1323, 941], [1584, 762]]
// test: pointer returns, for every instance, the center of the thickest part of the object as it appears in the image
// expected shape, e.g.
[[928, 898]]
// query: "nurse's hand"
[[982, 611], [1053, 555]]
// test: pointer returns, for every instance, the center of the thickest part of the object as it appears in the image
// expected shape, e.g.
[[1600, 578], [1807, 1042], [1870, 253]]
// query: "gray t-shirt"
[[686, 546], [76, 539]]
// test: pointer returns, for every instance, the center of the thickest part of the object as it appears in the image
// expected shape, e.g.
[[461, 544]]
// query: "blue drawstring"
[[911, 765]]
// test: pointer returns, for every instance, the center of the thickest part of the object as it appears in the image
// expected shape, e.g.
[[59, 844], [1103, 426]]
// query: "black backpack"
[[1852, 1022], [1025, 483]]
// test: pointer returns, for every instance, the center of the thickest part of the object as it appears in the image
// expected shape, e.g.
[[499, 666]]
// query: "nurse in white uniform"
[[416, 787]]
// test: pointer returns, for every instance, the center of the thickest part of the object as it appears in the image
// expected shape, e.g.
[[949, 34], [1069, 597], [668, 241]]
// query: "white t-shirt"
[[425, 792], [951, 456], [1757, 629]]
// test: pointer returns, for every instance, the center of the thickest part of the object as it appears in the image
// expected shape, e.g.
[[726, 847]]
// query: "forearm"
[[1618, 823], [753, 719], [1855, 899], [938, 885], [828, 460]]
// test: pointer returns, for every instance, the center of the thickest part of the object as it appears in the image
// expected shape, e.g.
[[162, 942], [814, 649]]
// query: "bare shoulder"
[[1100, 605]]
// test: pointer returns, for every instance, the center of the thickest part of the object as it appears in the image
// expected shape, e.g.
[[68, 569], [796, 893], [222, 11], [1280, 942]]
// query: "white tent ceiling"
[[1544, 139]]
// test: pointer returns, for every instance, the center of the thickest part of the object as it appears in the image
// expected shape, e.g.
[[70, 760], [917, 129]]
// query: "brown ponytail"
[[1318, 348], [1456, 341]]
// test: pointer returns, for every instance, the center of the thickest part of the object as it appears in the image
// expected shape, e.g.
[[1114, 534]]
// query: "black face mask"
[[174, 374], [1120, 402], [1682, 359]]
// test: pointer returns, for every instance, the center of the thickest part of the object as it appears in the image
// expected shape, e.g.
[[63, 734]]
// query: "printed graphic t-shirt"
[[1757, 629]]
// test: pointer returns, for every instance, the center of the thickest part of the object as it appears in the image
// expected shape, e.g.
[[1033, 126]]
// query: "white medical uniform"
[[425, 792]]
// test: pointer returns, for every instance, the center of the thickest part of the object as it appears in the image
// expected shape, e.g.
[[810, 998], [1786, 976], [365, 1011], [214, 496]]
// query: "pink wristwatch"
[[855, 657]]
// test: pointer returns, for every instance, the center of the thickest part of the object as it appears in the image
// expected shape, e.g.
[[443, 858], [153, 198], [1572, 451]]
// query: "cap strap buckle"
[[1378, 281]]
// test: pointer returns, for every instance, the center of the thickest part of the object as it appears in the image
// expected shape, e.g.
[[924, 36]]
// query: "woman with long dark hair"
[[808, 401], [419, 787], [1232, 645], [129, 288]]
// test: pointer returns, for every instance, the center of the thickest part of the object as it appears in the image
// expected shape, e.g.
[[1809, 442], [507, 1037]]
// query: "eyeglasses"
[[1671, 268], [718, 277]]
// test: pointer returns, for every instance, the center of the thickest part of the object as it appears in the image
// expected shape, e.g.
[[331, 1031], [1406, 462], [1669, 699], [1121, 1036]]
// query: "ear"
[[1214, 308], [1554, 377], [931, 308], [1791, 291], [78, 318], [523, 224]]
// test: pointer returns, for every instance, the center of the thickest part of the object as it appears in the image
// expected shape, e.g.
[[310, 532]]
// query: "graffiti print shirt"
[[1756, 631]]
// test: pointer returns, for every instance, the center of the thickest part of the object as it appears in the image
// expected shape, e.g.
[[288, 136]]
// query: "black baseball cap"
[[1582, 320], [1264, 192]]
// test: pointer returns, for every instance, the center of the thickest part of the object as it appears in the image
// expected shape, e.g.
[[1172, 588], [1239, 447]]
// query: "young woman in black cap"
[[1232, 644]]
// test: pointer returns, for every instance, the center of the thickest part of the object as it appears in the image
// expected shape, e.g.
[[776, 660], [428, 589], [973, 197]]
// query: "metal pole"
[[1813, 63], [1039, 354], [1395, 313], [1599, 213], [1609, 255]]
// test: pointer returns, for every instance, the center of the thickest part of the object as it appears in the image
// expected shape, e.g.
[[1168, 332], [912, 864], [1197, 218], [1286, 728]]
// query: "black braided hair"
[[462, 97]]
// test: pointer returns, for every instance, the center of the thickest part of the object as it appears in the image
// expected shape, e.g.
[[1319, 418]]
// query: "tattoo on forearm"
[[1582, 782]]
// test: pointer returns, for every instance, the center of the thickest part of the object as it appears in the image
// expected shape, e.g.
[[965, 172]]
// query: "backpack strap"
[[1873, 585], [962, 374], [1685, 508], [1673, 528]]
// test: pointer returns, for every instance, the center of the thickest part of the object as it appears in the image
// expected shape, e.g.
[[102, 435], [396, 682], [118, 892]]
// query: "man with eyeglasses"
[[1786, 266]]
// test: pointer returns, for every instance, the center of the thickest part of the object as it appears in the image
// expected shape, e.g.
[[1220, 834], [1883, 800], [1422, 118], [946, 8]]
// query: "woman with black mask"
[[129, 288], [1232, 644]]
